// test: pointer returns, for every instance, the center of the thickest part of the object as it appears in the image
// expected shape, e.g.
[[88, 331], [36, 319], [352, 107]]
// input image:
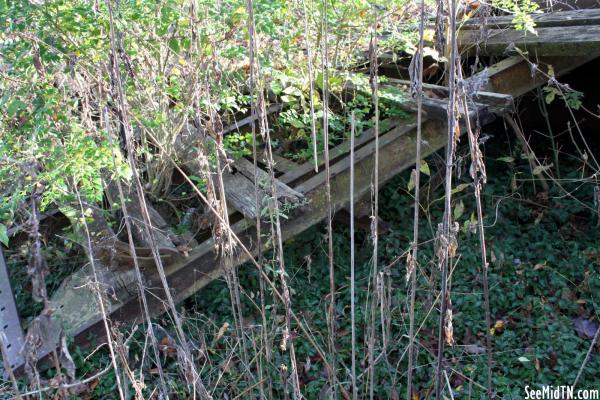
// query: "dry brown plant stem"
[[331, 311], [444, 252], [412, 259], [373, 48], [257, 200]]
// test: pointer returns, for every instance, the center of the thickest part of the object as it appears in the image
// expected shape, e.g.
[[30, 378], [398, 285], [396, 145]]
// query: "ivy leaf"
[[296, 123], [293, 91], [276, 87], [550, 94], [14, 107], [3, 235], [288, 99]]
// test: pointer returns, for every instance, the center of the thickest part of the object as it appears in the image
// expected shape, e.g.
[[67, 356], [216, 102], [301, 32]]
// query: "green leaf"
[[276, 87], [288, 99], [14, 107], [550, 94], [292, 90], [459, 209], [3, 235]]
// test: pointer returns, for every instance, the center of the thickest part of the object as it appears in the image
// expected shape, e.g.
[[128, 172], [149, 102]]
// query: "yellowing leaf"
[[460, 188], [424, 168], [428, 35], [411, 182]]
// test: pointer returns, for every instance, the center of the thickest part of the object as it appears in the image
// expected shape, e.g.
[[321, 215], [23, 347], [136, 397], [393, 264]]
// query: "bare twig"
[[136, 266], [257, 201], [373, 48], [96, 289], [331, 312], [7, 367], [528, 152], [313, 120], [352, 277], [445, 239], [479, 177]]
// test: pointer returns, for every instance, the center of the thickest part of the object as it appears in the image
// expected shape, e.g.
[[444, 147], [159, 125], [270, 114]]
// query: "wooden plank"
[[359, 155], [437, 107], [244, 171], [203, 265], [560, 18], [237, 125], [238, 177], [282, 164], [551, 41], [338, 151], [134, 210], [369, 150], [496, 102], [515, 76]]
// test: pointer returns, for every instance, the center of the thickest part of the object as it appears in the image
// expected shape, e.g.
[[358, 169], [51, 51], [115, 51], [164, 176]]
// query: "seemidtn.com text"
[[565, 392]]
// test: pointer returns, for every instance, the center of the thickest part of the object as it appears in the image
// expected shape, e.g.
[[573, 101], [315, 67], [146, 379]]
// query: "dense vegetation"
[[94, 92]]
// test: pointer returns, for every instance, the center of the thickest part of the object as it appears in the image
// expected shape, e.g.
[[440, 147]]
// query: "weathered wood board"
[[516, 75], [581, 17], [547, 41]]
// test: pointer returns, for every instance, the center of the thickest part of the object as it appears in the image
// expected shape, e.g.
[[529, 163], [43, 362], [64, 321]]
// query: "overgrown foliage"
[[100, 93]]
